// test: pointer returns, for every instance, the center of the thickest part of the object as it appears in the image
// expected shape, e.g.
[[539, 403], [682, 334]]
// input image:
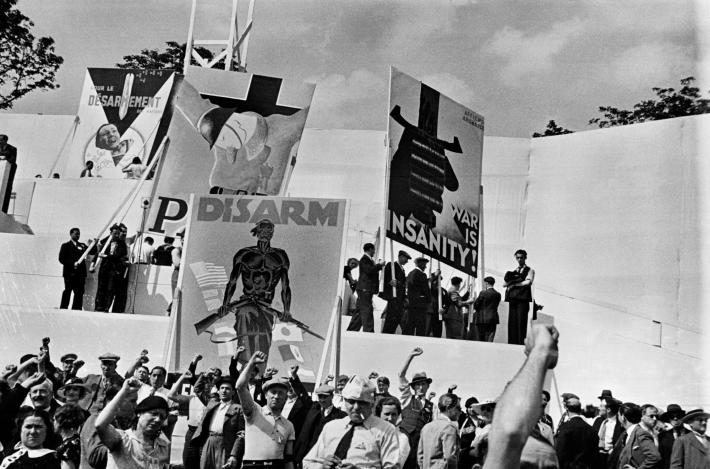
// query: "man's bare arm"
[[245, 398], [403, 372], [519, 407]]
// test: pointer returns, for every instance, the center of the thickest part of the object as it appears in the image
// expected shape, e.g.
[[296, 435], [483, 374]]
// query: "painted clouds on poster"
[[250, 260], [434, 182]]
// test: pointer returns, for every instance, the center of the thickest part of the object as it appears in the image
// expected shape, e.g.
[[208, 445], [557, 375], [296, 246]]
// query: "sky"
[[518, 63]]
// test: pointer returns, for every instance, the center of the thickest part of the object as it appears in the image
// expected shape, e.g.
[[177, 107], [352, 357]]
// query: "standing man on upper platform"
[[518, 294], [8, 153], [368, 283], [73, 271]]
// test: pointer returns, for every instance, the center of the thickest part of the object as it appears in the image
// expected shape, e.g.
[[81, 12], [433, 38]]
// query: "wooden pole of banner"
[[438, 289], [481, 257], [64, 144], [394, 259]]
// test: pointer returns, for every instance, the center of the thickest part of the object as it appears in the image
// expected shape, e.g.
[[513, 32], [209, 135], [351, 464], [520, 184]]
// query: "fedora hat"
[[695, 414], [671, 410], [605, 394], [419, 378]]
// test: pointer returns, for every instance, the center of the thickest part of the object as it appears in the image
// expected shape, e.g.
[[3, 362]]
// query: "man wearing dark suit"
[[394, 311], [692, 450], [518, 294], [8, 153], [485, 320], [74, 272], [607, 427], [576, 441], [318, 416], [114, 261], [419, 297], [638, 451], [298, 411], [368, 283], [217, 432], [99, 385], [674, 415]]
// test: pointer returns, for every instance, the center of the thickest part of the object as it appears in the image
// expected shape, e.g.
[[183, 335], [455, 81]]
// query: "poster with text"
[[262, 272], [433, 197], [121, 117], [232, 133]]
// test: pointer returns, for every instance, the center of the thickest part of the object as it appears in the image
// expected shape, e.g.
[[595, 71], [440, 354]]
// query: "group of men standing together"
[[419, 305]]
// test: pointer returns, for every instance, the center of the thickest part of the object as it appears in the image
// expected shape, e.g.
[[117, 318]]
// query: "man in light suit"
[[394, 311], [368, 283], [638, 450], [74, 272], [692, 450]]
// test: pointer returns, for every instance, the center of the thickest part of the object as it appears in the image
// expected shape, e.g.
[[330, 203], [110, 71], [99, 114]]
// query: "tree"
[[669, 103], [172, 58], [26, 63], [552, 129]]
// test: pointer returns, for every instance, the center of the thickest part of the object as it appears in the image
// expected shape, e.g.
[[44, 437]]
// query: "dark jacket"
[[95, 399], [69, 253], [486, 306], [418, 291], [233, 424], [300, 408], [577, 444], [665, 445], [312, 428], [400, 278], [618, 429], [369, 279], [689, 453]]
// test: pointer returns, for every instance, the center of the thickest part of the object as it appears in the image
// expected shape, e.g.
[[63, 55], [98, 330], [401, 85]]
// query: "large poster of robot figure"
[[433, 200], [231, 133], [262, 272]]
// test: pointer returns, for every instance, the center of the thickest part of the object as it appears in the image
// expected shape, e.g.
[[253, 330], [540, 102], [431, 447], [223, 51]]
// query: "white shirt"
[[217, 423], [287, 407], [610, 424], [375, 444]]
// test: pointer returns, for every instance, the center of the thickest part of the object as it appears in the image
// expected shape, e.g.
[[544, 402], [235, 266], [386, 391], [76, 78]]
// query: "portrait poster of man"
[[121, 117], [433, 196], [231, 133], [262, 272]]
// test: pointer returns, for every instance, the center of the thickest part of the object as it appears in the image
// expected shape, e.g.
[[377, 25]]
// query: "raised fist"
[[293, 369], [417, 351], [132, 385], [258, 357], [543, 338]]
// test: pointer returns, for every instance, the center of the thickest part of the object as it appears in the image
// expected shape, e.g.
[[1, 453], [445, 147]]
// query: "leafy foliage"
[[172, 58], [552, 129], [26, 63]]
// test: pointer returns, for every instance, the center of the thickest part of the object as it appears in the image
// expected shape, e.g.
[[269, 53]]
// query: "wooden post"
[[394, 259], [438, 289]]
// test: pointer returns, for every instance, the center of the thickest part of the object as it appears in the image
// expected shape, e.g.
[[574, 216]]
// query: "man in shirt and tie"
[[98, 385], [607, 427], [394, 292], [692, 450], [518, 294], [439, 442], [73, 271], [416, 409], [218, 430], [360, 440], [268, 436]]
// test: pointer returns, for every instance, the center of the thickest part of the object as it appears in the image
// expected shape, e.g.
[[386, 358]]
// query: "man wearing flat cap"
[[416, 409], [70, 365], [419, 297], [360, 440], [318, 415], [674, 416], [268, 435], [144, 447], [217, 431], [692, 450], [95, 399], [393, 292]]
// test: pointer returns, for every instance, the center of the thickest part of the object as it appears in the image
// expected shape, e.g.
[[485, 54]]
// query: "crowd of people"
[[418, 304], [253, 417], [112, 257]]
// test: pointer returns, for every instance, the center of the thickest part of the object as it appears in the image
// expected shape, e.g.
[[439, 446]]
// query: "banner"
[[433, 201], [120, 113], [232, 133], [262, 272]]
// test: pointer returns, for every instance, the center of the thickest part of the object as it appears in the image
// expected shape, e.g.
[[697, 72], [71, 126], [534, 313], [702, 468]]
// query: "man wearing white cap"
[[361, 440]]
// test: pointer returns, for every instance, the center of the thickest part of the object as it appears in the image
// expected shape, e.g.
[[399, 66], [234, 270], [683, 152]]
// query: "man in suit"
[[368, 283], [99, 385], [217, 431], [518, 294], [113, 263], [576, 441], [674, 416], [419, 297], [73, 271], [607, 427], [394, 293], [485, 320], [318, 415], [692, 450], [637, 449], [298, 402], [8, 153]]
